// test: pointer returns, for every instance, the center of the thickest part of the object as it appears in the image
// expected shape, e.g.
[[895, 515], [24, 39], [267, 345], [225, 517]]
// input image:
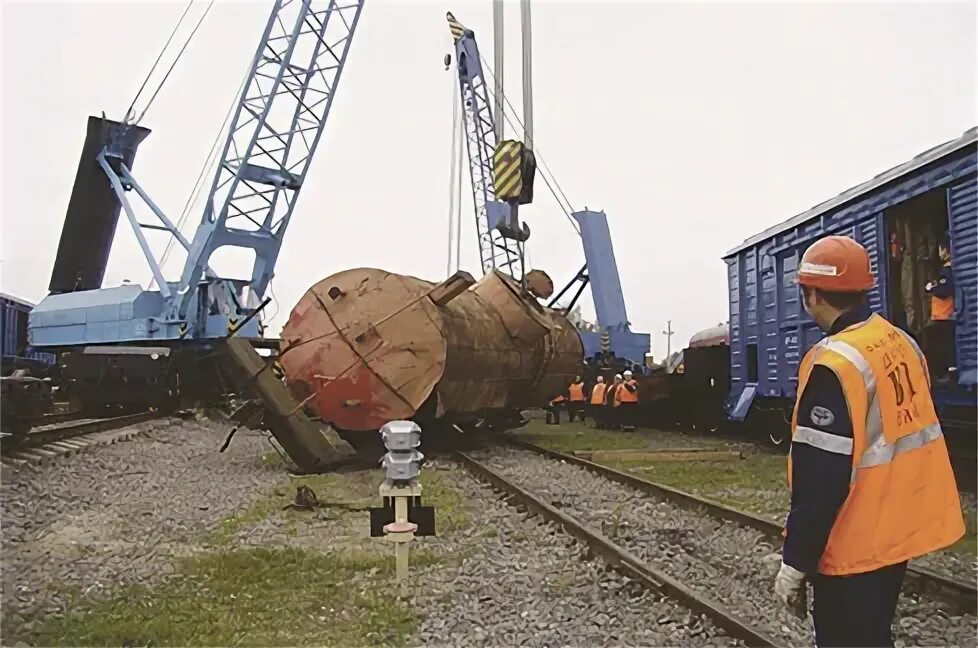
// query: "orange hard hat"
[[836, 263]]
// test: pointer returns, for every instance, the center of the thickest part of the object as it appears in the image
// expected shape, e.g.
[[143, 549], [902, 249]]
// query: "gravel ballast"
[[524, 582], [730, 562], [118, 514]]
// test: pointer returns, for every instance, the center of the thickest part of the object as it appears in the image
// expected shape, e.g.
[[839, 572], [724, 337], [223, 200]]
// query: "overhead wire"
[[129, 111]]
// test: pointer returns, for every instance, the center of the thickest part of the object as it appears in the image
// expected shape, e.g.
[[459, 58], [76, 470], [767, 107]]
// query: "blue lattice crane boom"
[[277, 124], [194, 339], [500, 240]]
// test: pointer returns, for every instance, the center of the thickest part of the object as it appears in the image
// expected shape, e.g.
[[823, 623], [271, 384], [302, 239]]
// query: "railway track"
[[963, 596], [630, 565], [47, 441], [719, 564]]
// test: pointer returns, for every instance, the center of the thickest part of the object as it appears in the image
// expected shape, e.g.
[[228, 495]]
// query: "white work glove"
[[789, 587]]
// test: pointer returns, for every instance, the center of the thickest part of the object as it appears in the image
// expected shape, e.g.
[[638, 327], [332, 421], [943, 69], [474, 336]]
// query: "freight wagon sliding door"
[[963, 219]]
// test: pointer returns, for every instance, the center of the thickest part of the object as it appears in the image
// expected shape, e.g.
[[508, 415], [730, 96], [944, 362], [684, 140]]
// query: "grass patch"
[[568, 437], [258, 597], [451, 510], [755, 483]]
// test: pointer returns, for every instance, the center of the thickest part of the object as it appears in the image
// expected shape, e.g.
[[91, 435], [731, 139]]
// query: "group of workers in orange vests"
[[611, 406]]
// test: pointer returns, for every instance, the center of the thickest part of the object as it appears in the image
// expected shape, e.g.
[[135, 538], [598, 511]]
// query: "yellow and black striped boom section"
[[457, 28]]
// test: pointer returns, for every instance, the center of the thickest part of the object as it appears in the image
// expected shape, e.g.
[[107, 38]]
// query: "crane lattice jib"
[[495, 250], [277, 125]]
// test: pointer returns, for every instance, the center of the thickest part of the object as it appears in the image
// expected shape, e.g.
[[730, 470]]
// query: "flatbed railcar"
[[899, 216]]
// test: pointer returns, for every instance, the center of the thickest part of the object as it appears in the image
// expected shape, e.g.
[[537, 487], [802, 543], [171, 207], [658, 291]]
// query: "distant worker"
[[597, 402], [577, 400], [611, 403], [940, 331], [627, 396], [869, 473], [553, 409]]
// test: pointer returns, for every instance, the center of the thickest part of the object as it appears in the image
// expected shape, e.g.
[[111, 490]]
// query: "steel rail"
[[41, 437], [623, 561], [957, 592]]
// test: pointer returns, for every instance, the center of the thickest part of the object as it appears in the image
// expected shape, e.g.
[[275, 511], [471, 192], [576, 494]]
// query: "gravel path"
[[119, 513], [729, 562], [524, 582], [502, 580]]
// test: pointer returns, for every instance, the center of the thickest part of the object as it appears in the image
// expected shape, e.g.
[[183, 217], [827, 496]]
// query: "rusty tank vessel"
[[365, 346]]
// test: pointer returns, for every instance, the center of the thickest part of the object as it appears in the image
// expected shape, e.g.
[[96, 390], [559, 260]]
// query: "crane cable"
[[175, 61], [452, 180], [536, 151], [129, 111], [208, 165]]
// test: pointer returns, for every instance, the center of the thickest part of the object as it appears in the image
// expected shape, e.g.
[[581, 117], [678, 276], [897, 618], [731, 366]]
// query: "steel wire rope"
[[175, 61], [129, 111], [459, 156], [208, 165], [536, 151], [452, 181]]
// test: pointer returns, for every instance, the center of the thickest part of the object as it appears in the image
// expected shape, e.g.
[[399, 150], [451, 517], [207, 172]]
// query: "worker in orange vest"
[[611, 403], [627, 396], [553, 409], [576, 405], [941, 330], [597, 402], [868, 469]]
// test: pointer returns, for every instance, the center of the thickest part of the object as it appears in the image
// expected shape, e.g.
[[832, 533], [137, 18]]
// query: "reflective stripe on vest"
[[823, 440], [577, 392], [903, 500]]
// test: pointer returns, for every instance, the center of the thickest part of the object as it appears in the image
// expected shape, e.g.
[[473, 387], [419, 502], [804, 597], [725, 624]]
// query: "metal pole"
[[668, 333], [527, 74], [497, 50]]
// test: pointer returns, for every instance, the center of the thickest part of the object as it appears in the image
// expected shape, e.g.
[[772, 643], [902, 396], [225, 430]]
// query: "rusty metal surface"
[[370, 346]]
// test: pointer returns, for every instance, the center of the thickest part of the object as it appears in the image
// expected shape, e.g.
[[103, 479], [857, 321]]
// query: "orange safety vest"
[[557, 400], [577, 392], [903, 500], [941, 308], [625, 396], [597, 394]]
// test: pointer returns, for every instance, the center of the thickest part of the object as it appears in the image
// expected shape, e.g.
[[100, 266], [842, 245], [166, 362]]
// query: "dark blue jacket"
[[944, 286], [820, 479]]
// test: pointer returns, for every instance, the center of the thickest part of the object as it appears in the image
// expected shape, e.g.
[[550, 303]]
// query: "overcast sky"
[[693, 125]]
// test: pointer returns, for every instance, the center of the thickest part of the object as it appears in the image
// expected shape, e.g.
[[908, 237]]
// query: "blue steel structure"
[[769, 329], [495, 250], [600, 270], [277, 124]]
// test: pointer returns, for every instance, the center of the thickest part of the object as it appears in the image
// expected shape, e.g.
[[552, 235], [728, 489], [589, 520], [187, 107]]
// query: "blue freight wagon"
[[899, 216], [15, 353]]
